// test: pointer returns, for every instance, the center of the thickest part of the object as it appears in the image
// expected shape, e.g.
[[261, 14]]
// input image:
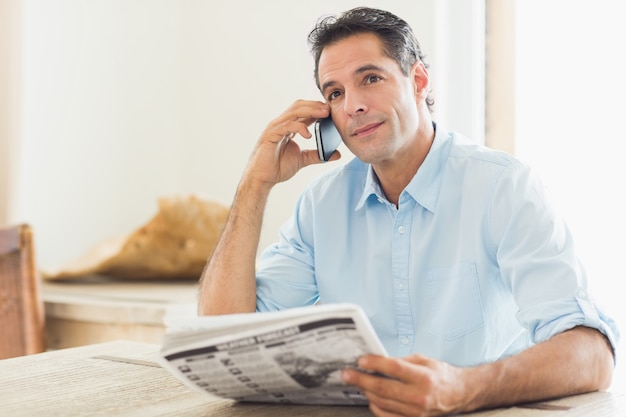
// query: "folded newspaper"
[[292, 356]]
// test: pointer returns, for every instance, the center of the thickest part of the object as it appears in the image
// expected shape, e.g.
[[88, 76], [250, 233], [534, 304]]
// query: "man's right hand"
[[276, 156]]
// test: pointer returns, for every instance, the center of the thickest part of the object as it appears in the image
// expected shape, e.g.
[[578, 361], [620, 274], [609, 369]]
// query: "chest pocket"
[[454, 301]]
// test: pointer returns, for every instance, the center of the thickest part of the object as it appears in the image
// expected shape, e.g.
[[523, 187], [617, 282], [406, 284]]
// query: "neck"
[[396, 174]]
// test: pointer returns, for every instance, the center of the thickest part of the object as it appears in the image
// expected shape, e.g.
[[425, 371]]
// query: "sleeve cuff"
[[546, 320]]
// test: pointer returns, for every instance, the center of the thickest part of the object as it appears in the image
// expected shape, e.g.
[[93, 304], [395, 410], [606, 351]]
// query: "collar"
[[425, 186]]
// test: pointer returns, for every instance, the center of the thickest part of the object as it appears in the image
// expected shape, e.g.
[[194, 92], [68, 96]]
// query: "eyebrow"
[[360, 70]]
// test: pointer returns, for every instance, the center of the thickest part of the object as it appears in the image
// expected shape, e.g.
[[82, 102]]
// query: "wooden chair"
[[22, 316]]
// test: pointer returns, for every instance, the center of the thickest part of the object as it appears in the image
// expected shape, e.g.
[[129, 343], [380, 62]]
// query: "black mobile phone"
[[327, 138]]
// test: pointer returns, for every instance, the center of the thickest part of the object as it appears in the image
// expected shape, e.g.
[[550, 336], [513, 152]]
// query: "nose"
[[354, 103]]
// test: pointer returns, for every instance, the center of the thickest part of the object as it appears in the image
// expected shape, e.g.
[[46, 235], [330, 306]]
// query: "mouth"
[[366, 130]]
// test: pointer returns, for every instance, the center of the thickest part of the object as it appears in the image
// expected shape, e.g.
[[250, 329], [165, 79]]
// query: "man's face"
[[375, 107]]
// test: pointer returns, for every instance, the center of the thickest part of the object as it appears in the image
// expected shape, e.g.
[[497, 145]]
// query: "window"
[[569, 98]]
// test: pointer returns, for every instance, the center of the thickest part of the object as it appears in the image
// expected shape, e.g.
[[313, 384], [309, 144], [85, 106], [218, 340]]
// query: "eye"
[[333, 95], [371, 79]]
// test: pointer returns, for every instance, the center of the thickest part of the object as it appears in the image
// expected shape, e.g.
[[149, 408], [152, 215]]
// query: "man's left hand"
[[417, 385]]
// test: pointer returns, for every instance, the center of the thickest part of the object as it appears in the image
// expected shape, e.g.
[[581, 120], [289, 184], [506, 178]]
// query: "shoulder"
[[347, 176], [463, 148], [475, 158], [339, 188]]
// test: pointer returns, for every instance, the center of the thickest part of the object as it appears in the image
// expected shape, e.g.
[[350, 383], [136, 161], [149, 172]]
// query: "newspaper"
[[293, 356]]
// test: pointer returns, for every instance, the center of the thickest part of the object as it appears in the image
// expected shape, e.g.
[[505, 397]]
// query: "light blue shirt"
[[474, 265]]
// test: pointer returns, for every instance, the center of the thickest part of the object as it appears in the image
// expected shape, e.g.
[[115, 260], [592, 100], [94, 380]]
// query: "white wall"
[[127, 100], [10, 49]]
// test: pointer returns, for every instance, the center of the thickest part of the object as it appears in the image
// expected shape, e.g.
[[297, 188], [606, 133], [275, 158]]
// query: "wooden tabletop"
[[122, 378]]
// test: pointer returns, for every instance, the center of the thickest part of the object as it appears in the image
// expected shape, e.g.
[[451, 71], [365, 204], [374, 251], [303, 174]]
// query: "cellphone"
[[327, 138]]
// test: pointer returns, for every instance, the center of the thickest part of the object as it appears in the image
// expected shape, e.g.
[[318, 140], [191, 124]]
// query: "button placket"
[[400, 262]]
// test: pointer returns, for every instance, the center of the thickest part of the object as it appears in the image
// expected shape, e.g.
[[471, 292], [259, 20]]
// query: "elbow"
[[605, 372], [214, 306], [604, 362], [606, 381]]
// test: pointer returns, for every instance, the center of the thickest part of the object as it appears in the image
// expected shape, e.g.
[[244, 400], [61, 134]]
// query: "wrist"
[[249, 186]]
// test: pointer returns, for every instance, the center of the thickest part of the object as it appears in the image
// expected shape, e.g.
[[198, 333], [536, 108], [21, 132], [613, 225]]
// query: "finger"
[[389, 408], [303, 111], [381, 385], [310, 157], [388, 396], [336, 155], [397, 368], [298, 127], [381, 364], [418, 359], [402, 381], [286, 131], [296, 120]]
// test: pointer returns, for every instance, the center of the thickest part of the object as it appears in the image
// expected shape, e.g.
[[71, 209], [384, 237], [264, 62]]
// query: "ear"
[[421, 80]]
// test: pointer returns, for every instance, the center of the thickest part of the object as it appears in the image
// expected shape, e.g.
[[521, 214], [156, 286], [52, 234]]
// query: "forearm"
[[228, 281], [576, 361]]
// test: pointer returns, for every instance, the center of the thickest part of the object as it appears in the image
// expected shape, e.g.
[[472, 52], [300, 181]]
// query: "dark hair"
[[399, 42]]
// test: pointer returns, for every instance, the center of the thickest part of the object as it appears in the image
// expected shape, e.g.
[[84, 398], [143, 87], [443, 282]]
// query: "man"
[[452, 250]]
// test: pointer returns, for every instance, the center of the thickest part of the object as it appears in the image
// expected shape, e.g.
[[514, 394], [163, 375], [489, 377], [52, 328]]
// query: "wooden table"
[[121, 378]]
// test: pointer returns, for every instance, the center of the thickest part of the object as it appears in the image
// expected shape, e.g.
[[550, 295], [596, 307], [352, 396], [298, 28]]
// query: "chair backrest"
[[22, 318]]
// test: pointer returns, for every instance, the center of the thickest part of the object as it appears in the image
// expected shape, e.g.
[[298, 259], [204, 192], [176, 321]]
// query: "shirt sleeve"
[[285, 275], [535, 252]]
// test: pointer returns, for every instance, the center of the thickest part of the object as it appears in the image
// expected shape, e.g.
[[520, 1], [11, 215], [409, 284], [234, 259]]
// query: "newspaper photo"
[[293, 356]]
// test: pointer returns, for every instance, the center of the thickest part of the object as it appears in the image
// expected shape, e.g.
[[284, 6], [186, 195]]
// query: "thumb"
[[311, 157]]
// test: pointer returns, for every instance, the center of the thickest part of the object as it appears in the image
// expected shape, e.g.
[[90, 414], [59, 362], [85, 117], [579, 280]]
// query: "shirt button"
[[582, 293], [404, 340], [400, 286], [401, 230]]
